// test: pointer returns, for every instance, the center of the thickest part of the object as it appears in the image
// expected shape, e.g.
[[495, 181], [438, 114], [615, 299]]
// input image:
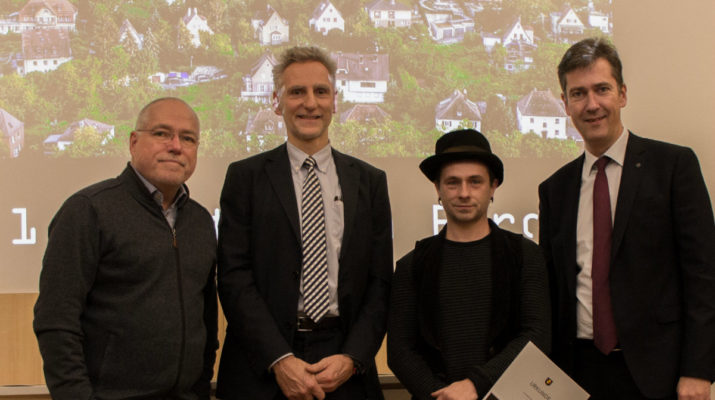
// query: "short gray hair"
[[300, 54]]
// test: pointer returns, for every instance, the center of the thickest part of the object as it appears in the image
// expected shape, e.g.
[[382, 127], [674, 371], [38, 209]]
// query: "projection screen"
[[74, 74]]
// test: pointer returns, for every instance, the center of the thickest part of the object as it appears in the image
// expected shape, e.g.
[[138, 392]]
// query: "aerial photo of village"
[[74, 73]]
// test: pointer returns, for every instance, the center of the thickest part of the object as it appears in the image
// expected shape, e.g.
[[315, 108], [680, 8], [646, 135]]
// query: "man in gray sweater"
[[127, 305]]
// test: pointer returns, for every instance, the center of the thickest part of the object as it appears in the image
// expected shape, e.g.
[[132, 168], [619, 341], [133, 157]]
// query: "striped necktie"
[[315, 261]]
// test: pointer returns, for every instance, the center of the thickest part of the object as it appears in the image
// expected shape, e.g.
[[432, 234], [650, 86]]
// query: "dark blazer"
[[519, 313], [662, 272], [260, 267]]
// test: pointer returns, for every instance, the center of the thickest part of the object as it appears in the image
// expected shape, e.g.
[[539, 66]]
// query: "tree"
[[184, 39], [166, 42], [360, 30], [87, 142], [382, 139], [143, 64], [105, 32], [125, 100], [529, 10], [506, 145], [233, 84], [604, 6], [407, 97], [4, 148], [300, 33], [260, 143], [241, 31], [218, 49], [18, 96], [118, 70], [499, 117], [10, 43], [216, 15], [403, 139], [499, 56], [542, 73], [151, 44], [130, 46], [220, 143]]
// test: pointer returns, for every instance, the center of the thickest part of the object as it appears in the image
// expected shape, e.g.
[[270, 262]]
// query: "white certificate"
[[532, 376]]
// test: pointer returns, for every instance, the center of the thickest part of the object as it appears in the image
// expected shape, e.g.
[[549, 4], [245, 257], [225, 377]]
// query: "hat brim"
[[431, 166]]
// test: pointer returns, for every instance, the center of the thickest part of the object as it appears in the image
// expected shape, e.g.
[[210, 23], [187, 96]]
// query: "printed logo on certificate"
[[533, 376]]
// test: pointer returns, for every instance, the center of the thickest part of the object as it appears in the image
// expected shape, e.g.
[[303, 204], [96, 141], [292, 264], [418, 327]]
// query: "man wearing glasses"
[[127, 305]]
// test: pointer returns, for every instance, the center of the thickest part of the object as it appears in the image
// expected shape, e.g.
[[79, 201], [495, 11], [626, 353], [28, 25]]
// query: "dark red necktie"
[[604, 328]]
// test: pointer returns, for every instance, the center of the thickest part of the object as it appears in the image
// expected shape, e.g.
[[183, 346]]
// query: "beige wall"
[[668, 53]]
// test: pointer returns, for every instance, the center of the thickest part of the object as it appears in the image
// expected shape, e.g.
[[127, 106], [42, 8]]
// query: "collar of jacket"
[[140, 192], [506, 275]]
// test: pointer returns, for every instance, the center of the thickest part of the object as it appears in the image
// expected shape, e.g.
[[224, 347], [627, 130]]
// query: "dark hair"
[[298, 55], [585, 53]]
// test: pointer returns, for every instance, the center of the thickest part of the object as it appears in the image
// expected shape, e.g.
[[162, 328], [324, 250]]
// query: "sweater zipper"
[[181, 304]]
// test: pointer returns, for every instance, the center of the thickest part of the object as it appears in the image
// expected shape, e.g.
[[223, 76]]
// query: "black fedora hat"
[[465, 144]]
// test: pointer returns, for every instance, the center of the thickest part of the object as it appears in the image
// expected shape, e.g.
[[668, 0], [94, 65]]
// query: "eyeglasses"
[[186, 139]]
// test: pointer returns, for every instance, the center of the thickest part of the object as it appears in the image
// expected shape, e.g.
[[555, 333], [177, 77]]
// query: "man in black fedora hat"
[[465, 301]]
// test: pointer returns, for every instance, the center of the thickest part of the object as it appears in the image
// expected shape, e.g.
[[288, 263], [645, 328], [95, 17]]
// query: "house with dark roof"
[[269, 27], [263, 125], [326, 18], [258, 83], [44, 50], [389, 14], [195, 24], [456, 108], [60, 142], [48, 14], [362, 78], [540, 112], [12, 132], [519, 42], [364, 113]]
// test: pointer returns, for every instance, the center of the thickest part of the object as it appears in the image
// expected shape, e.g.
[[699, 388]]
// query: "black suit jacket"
[[259, 269], [662, 273]]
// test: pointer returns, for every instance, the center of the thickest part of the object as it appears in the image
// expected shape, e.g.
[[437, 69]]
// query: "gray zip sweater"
[[127, 305]]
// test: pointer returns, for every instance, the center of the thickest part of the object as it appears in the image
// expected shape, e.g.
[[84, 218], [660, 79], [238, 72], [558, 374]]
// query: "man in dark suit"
[[305, 255], [628, 233]]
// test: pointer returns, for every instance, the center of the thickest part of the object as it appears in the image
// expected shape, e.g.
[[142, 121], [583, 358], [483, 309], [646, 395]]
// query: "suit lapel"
[[279, 174], [569, 207], [630, 179], [349, 178]]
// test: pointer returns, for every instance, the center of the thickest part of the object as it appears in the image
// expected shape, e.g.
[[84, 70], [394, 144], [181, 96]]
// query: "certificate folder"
[[533, 376]]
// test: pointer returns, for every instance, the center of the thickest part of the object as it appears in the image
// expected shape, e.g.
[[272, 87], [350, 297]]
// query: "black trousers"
[[605, 377], [313, 346]]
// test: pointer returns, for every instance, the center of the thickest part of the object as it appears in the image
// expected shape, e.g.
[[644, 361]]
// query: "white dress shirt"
[[584, 227], [333, 207]]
